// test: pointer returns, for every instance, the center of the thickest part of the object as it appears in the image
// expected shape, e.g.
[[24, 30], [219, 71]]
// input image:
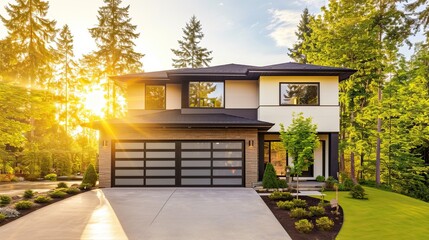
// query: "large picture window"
[[206, 94], [299, 93], [275, 153], [155, 97]]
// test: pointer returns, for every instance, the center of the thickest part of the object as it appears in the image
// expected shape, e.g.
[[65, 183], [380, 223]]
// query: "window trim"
[[318, 93], [189, 95], [165, 96]]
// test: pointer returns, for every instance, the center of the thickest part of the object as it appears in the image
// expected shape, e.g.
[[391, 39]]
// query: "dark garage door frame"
[[162, 168]]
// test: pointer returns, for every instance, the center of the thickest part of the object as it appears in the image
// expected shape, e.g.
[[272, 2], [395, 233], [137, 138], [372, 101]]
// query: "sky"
[[253, 32]]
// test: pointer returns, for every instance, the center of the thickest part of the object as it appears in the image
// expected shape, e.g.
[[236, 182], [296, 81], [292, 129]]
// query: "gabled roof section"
[[240, 72], [174, 118]]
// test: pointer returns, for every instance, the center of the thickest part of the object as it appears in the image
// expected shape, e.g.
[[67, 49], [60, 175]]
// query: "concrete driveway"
[[152, 213]]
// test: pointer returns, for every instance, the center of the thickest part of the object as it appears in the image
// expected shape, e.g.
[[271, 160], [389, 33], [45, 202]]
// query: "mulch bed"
[[288, 223]]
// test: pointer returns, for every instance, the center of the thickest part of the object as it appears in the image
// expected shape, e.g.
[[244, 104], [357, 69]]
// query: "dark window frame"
[[145, 96], [189, 95], [269, 154], [318, 93]]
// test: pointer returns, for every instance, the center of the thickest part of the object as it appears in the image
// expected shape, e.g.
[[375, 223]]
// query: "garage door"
[[177, 163]]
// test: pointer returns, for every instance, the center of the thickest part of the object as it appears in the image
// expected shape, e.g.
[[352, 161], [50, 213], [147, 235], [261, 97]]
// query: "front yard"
[[385, 215]]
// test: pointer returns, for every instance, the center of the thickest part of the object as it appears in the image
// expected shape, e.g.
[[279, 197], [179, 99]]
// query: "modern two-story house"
[[217, 126]]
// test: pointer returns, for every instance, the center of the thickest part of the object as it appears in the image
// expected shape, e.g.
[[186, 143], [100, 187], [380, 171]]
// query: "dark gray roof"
[[241, 71], [174, 118]]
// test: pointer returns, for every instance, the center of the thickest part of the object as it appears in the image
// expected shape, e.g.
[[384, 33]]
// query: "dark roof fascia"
[[342, 74], [100, 125]]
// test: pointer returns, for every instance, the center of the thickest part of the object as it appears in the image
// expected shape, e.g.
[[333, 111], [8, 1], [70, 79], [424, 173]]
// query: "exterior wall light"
[[251, 143], [105, 143]]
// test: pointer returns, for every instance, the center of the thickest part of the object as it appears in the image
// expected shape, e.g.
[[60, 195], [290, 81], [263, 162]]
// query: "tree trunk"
[[378, 150]]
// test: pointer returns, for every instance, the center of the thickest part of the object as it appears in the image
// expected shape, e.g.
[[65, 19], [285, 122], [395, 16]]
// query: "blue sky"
[[254, 32]]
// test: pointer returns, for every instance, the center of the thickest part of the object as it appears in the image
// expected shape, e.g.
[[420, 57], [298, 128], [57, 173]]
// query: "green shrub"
[[90, 175], [299, 213], [28, 194], [4, 199], [42, 199], [304, 226], [330, 182], [357, 192], [51, 177], [32, 177], [348, 184], [72, 190], [324, 223], [286, 205], [9, 212], [269, 179], [282, 183], [58, 194], [320, 178], [22, 205], [62, 185], [85, 186], [317, 210], [2, 217], [277, 195], [323, 204], [299, 203], [61, 189]]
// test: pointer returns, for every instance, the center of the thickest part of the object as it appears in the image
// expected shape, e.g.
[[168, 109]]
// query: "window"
[[299, 93], [206, 94], [275, 153], [155, 97]]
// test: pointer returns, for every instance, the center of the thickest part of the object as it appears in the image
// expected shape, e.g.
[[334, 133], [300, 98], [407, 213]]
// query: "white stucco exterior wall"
[[135, 96], [241, 94], [173, 96]]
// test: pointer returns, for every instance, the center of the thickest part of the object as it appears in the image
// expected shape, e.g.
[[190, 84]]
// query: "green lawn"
[[385, 215]]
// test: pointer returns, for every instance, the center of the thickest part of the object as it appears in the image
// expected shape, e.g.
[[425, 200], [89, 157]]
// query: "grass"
[[385, 215]]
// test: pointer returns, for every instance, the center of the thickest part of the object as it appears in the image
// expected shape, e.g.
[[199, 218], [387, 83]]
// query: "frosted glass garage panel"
[[196, 145], [227, 145], [196, 164], [160, 181], [129, 145], [227, 172], [129, 172], [160, 154], [129, 154], [129, 164], [196, 181], [226, 163], [227, 181], [195, 154], [161, 145], [227, 154], [129, 181], [160, 164], [196, 172], [160, 172]]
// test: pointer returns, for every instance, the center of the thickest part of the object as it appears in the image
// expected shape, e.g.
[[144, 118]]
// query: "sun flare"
[[95, 101]]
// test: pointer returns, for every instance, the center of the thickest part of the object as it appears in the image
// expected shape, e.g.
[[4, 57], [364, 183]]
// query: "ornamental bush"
[[72, 190], [62, 185], [51, 177], [277, 195], [4, 199], [304, 226], [42, 199], [85, 186], [299, 213], [90, 176], [28, 194], [330, 182], [317, 210], [320, 178], [299, 203], [286, 205], [9, 212], [58, 194], [348, 184], [2, 217], [269, 180], [357, 192], [23, 205], [324, 224]]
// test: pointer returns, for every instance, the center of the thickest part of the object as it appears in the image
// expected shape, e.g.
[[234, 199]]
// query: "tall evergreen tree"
[[190, 54], [114, 36], [304, 31], [33, 32], [423, 14]]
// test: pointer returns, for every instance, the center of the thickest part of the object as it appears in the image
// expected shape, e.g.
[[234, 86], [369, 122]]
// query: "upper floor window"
[[299, 93], [155, 97], [206, 94]]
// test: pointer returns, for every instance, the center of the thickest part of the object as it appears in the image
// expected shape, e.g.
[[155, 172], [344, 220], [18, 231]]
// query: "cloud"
[[310, 2], [283, 26]]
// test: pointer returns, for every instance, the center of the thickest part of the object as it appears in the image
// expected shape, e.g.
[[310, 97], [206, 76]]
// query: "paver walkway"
[[156, 213]]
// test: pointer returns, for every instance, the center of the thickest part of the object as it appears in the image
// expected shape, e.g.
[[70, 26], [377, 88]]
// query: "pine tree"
[[190, 54], [114, 36], [423, 14], [29, 28], [304, 32], [67, 65]]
